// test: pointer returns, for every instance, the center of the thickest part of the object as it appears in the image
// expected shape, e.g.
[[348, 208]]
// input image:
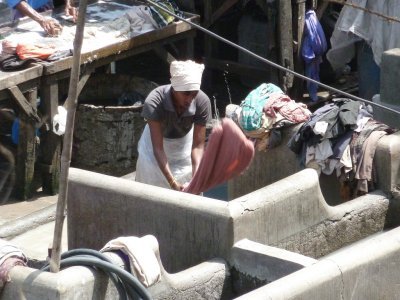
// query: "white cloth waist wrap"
[[178, 152]]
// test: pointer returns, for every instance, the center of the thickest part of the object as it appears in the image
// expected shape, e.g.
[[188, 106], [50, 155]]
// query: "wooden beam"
[[220, 11], [23, 103], [164, 54], [84, 78], [321, 9]]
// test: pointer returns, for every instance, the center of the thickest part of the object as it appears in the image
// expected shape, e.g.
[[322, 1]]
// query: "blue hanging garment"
[[314, 46], [15, 131]]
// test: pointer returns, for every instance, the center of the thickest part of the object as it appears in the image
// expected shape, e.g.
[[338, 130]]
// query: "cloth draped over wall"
[[341, 137], [228, 154], [143, 262], [10, 256], [263, 112]]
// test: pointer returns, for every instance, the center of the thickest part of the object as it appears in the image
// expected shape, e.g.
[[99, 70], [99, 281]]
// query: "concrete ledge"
[[291, 214], [281, 209], [16, 227], [390, 74], [387, 157], [367, 270], [188, 228], [254, 265], [209, 280], [347, 223], [71, 283]]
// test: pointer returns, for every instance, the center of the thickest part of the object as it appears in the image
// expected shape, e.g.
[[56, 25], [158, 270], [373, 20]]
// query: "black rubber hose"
[[83, 251], [120, 286], [131, 292], [126, 277], [122, 289]]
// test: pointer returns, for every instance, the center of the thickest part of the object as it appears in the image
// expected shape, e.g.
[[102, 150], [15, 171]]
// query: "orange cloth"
[[25, 51], [228, 154]]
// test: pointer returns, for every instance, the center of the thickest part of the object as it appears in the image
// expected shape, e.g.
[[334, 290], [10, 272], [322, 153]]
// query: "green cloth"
[[252, 106]]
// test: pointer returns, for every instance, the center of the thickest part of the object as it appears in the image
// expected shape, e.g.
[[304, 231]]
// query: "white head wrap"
[[186, 75]]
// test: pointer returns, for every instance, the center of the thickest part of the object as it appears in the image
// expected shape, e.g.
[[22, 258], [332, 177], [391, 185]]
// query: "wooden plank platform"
[[45, 78]]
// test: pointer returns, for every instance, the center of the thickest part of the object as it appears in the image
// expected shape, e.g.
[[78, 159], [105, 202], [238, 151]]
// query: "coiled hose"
[[127, 285]]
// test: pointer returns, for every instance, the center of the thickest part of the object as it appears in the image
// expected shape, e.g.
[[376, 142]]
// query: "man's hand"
[[176, 185], [71, 11], [51, 26]]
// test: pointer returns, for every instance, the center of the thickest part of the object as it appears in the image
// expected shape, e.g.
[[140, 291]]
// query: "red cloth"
[[25, 51], [228, 153]]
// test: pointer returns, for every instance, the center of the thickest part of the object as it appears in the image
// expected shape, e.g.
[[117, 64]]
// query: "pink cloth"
[[228, 153], [7, 265], [289, 109]]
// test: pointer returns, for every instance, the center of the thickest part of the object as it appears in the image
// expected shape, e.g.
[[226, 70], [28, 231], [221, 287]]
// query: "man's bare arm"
[[50, 25]]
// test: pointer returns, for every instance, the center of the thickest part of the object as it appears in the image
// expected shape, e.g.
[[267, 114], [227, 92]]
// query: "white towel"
[[142, 259]]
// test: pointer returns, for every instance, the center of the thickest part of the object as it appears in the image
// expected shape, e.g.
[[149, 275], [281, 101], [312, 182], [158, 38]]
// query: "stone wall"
[[108, 124]]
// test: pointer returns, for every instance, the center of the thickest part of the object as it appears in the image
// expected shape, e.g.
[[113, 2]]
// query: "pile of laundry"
[[341, 137], [18, 56], [264, 112]]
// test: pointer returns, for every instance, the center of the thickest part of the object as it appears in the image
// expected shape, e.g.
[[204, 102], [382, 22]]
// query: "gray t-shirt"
[[158, 106]]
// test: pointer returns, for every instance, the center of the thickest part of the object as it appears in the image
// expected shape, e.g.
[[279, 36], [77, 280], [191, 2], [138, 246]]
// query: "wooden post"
[[26, 152], [286, 42], [208, 41], [50, 159], [70, 105], [298, 83], [7, 173]]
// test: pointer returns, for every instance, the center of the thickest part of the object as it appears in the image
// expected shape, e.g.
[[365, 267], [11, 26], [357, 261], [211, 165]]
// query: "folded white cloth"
[[142, 259]]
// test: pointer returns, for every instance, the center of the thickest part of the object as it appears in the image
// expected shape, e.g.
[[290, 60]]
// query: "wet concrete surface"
[[15, 209], [27, 219]]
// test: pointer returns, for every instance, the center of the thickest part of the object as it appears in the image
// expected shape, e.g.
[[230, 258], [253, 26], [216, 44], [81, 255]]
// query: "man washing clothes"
[[33, 8], [172, 143]]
